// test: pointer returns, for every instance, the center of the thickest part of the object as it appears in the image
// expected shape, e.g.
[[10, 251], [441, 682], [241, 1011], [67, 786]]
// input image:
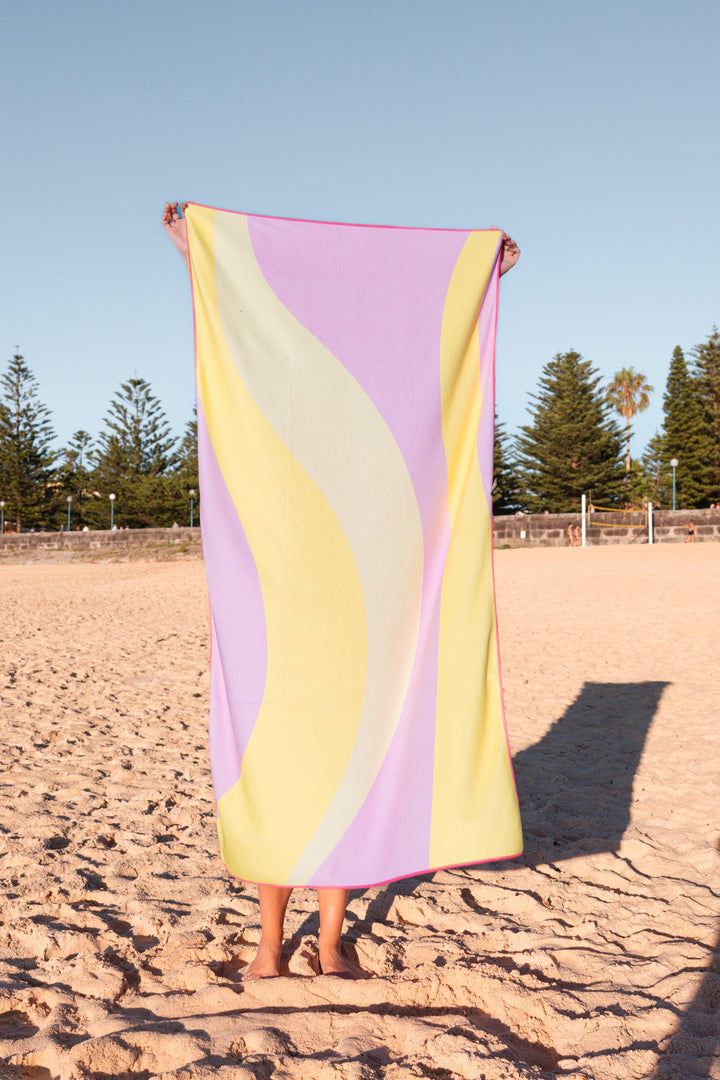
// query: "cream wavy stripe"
[[314, 613], [475, 814], [337, 435]]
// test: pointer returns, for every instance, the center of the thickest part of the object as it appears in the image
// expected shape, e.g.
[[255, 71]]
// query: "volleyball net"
[[596, 517], [631, 519]]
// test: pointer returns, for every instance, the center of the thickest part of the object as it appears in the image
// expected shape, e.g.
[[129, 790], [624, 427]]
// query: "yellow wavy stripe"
[[475, 814], [314, 610], [335, 432]]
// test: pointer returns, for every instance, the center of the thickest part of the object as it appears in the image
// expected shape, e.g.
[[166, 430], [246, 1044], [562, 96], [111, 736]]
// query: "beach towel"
[[345, 379]]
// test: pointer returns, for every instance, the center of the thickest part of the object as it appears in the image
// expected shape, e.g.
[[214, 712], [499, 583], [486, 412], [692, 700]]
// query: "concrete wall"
[[550, 530], [101, 543]]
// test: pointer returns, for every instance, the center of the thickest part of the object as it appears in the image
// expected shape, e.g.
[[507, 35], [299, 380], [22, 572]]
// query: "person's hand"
[[176, 229], [510, 253]]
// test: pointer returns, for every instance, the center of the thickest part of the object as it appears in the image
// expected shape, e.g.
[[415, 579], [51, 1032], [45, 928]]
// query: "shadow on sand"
[[576, 784]]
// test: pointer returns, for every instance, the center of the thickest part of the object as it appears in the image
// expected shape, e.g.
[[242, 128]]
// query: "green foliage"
[[707, 380], [75, 480], [506, 483], [26, 457], [188, 457], [573, 445], [134, 461], [658, 474], [136, 441], [638, 487], [682, 436], [146, 502], [628, 395]]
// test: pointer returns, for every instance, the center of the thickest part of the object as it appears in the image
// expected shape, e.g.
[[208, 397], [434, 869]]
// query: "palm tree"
[[628, 394]]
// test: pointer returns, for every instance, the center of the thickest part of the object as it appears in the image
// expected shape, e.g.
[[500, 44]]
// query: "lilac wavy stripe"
[[486, 334], [238, 621], [225, 758], [374, 330]]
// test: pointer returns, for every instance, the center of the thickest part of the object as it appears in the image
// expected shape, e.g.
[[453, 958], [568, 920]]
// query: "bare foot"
[[265, 964], [332, 962]]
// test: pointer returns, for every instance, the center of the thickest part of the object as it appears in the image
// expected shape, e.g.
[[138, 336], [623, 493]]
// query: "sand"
[[596, 954]]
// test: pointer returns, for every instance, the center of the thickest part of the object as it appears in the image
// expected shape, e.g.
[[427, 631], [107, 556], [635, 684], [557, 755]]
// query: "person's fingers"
[[184, 206]]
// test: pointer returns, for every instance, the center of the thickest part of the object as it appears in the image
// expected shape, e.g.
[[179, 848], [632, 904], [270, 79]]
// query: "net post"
[[650, 523], [583, 520]]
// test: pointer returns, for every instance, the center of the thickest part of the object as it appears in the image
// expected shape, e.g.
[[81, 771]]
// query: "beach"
[[596, 954]]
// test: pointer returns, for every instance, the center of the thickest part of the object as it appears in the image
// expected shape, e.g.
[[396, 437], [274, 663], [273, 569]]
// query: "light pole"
[[674, 463], [2, 517], [191, 493], [69, 500], [112, 510]]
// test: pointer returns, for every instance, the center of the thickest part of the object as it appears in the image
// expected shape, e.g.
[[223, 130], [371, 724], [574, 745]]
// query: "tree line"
[[574, 443], [135, 458]]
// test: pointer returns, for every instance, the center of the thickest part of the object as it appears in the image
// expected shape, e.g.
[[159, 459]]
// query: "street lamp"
[[2, 517], [112, 510], [674, 463], [69, 500], [192, 493]]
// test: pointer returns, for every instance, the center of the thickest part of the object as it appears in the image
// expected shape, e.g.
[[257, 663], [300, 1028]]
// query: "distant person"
[[690, 532], [571, 535], [578, 536]]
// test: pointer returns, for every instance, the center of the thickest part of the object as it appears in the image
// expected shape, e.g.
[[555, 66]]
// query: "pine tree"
[[707, 376], [628, 395], [134, 460], [505, 479], [26, 456], [136, 441], [573, 444], [683, 434]]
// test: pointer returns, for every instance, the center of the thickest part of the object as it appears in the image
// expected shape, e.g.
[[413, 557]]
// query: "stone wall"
[[550, 530], [101, 544], [540, 530], [671, 525]]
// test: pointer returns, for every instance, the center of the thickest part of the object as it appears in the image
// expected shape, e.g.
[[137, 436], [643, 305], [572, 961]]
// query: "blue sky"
[[589, 132]]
